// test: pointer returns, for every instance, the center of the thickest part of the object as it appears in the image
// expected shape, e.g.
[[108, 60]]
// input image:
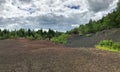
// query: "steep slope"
[[93, 39]]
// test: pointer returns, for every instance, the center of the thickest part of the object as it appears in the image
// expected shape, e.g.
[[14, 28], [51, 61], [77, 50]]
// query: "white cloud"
[[55, 14]]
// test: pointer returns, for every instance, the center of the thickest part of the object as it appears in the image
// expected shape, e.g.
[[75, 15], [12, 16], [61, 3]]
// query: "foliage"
[[106, 43], [29, 34], [60, 39], [109, 45]]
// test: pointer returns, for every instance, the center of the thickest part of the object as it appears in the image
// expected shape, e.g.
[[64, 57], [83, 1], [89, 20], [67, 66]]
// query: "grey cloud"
[[99, 5], [2, 2], [25, 1], [59, 23]]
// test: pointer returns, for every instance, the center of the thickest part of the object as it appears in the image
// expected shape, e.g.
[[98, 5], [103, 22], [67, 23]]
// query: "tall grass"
[[109, 45]]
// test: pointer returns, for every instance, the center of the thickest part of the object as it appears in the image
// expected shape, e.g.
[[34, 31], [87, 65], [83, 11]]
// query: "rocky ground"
[[23, 55]]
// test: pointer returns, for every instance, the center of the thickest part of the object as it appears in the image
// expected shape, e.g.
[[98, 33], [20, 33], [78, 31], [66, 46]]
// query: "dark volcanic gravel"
[[93, 39], [44, 56]]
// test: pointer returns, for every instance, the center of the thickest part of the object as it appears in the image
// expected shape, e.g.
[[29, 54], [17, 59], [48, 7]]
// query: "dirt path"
[[43, 56]]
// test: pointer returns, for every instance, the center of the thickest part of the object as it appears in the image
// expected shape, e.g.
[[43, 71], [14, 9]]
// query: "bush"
[[88, 35], [106, 43], [60, 39], [116, 46], [30, 37]]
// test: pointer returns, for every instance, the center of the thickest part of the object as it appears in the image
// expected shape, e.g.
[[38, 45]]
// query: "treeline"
[[29, 34], [112, 20]]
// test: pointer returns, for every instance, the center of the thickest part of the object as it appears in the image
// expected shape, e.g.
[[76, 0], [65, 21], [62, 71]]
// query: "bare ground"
[[23, 55]]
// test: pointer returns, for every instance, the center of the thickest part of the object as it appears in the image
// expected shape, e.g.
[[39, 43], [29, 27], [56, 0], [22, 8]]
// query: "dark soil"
[[23, 55], [93, 39]]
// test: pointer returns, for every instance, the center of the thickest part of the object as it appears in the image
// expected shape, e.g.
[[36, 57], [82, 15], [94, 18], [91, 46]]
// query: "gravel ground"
[[43, 56]]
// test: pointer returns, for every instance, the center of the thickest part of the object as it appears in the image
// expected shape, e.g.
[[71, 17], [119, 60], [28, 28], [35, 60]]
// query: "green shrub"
[[30, 37], [106, 43], [116, 46], [88, 35], [109, 45], [60, 39]]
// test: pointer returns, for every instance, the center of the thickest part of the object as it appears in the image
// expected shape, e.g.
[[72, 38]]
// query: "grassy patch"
[[107, 49], [109, 45]]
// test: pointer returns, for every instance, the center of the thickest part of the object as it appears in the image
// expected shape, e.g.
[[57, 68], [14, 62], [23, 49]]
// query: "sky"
[[59, 15]]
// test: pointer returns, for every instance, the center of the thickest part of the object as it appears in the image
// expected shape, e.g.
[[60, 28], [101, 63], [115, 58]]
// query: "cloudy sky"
[[60, 15]]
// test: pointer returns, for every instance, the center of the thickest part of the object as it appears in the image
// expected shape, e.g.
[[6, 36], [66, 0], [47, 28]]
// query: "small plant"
[[106, 43], [116, 46], [30, 37], [88, 35]]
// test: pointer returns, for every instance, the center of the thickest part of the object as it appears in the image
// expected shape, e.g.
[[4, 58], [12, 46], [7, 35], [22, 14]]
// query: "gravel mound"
[[92, 39]]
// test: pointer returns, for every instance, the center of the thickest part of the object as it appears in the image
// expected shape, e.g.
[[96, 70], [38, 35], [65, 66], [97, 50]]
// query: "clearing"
[[21, 55]]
